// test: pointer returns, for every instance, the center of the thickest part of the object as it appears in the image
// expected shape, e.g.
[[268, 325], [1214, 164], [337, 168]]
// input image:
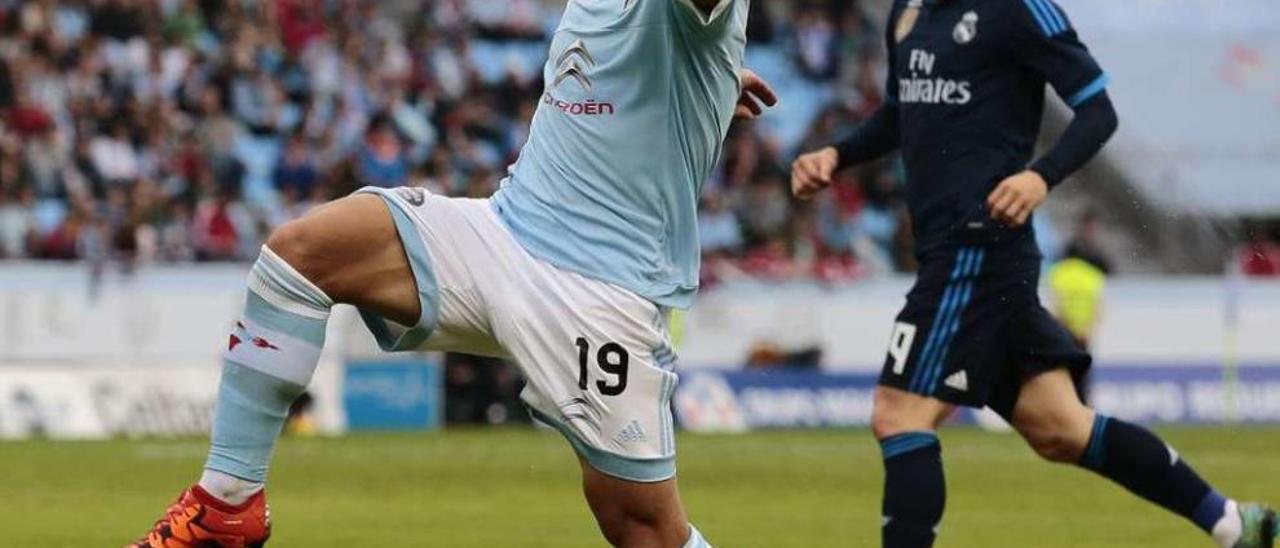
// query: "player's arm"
[[1043, 40], [878, 136], [812, 172]]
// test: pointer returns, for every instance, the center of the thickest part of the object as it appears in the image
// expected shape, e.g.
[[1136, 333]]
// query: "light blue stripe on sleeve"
[[1059, 22], [1088, 92], [1041, 17]]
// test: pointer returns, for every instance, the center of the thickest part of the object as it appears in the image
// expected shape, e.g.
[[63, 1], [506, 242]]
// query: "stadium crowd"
[[146, 131]]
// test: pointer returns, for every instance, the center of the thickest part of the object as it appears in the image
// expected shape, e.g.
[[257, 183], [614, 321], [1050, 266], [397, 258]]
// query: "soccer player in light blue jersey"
[[569, 271]]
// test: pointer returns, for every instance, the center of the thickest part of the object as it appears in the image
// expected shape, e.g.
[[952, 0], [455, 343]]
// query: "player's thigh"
[[897, 411], [350, 249], [1038, 392]]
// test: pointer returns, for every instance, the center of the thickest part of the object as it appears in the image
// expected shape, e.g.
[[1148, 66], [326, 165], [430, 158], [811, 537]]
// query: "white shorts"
[[597, 358]]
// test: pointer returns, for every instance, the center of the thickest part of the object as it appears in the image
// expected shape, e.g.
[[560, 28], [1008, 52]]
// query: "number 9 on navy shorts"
[[973, 328]]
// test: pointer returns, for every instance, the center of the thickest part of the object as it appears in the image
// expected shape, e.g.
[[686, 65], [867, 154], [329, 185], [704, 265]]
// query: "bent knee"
[[1057, 434], [289, 241], [1059, 447], [887, 424], [344, 248], [298, 243], [897, 412]]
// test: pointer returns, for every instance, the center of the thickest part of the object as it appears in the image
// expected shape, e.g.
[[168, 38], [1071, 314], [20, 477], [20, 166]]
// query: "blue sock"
[[915, 490], [1135, 458], [271, 355]]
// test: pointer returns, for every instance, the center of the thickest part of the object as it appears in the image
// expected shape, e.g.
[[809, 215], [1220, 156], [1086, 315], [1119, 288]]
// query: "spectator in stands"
[[1077, 285], [296, 175], [382, 161], [17, 222], [1260, 255], [180, 130], [215, 232], [1084, 244], [817, 43]]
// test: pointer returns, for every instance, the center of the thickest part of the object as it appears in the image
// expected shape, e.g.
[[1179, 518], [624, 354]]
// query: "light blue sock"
[[271, 355], [696, 539]]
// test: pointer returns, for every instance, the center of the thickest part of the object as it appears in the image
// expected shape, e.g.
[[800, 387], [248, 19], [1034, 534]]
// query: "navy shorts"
[[973, 330]]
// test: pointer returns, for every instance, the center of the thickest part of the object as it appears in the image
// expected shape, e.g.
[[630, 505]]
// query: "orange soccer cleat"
[[198, 520]]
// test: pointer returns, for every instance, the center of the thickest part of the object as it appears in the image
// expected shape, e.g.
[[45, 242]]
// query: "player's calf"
[[639, 515], [915, 491], [1052, 419]]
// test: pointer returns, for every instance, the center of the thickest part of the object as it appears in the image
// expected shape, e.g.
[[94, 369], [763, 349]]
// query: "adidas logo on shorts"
[[632, 433]]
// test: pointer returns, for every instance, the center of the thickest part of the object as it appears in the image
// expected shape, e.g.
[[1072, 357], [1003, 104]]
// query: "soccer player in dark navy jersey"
[[964, 100]]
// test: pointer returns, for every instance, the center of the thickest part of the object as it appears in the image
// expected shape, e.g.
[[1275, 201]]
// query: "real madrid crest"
[[967, 29]]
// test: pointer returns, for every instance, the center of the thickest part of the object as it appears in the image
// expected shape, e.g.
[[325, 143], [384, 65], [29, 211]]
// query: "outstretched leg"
[[1060, 428], [345, 252], [915, 490]]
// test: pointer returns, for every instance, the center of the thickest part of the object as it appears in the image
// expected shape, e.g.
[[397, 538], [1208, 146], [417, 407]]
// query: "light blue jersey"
[[639, 96]]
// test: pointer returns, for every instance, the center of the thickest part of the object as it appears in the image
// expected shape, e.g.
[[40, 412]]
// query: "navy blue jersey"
[[967, 79]]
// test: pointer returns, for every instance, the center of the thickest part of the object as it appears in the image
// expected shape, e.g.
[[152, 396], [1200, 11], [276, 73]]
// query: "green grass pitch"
[[519, 488]]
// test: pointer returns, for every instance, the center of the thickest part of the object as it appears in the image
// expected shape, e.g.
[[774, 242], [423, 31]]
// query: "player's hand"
[[812, 172], [1017, 197], [756, 95]]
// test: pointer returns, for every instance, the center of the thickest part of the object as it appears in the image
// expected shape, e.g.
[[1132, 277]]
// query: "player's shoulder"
[[1047, 16]]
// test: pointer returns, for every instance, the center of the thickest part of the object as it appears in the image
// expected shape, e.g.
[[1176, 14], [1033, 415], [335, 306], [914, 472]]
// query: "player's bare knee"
[[897, 412], [1054, 437], [889, 422], [299, 243], [885, 424], [1056, 446], [1057, 429], [292, 242]]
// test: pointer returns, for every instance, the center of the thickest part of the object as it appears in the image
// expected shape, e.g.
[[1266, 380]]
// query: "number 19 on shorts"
[[612, 359]]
